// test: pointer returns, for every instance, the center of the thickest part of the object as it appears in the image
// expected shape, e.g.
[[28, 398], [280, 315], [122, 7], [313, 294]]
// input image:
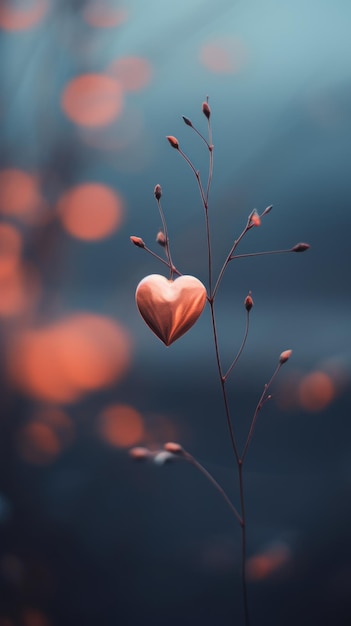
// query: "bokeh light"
[[19, 290], [121, 425], [34, 617], [316, 391], [42, 439], [23, 15], [159, 429], [92, 100], [226, 55], [37, 443], [124, 133], [99, 14], [20, 195], [90, 211], [10, 249], [267, 562], [133, 73], [66, 359]]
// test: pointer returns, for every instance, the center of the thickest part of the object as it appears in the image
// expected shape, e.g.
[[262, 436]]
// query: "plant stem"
[[241, 347], [259, 406], [243, 544], [217, 486], [243, 256], [223, 381], [159, 258], [167, 247]]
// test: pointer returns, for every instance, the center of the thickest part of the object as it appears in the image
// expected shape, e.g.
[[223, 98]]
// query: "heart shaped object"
[[170, 307]]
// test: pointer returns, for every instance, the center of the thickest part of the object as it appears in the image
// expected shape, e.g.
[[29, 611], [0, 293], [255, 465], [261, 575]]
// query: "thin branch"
[[167, 246], [259, 406], [172, 268], [243, 544], [222, 380], [217, 486], [251, 254], [228, 259], [241, 347]]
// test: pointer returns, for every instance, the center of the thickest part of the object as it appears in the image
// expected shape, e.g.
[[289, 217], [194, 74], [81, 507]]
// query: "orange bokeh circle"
[[63, 360], [133, 73], [10, 249], [13, 19], [316, 391], [98, 15], [37, 443], [20, 195], [92, 100], [226, 55], [121, 425], [90, 211]]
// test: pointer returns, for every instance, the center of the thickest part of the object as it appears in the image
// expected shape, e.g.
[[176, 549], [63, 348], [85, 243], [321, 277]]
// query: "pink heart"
[[170, 307]]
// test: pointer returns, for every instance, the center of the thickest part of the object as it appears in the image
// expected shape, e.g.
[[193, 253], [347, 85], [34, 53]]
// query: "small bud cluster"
[[160, 457]]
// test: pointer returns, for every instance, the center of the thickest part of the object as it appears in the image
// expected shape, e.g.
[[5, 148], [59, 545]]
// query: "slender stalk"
[[159, 258], [241, 347], [244, 256], [229, 258], [243, 544], [167, 246], [259, 406], [196, 174], [222, 380], [200, 135], [217, 486]]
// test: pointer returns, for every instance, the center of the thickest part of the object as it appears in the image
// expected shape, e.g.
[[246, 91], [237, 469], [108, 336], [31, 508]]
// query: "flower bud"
[[163, 457], [300, 247], [187, 121], [255, 219], [137, 242], [158, 192], [206, 110], [173, 447], [173, 141], [249, 302], [285, 356], [161, 238], [139, 454], [267, 210]]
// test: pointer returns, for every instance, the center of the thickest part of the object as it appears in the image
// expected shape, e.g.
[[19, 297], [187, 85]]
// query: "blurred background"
[[89, 90]]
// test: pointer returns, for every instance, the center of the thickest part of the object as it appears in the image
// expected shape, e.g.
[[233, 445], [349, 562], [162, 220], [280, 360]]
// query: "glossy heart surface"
[[170, 307]]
